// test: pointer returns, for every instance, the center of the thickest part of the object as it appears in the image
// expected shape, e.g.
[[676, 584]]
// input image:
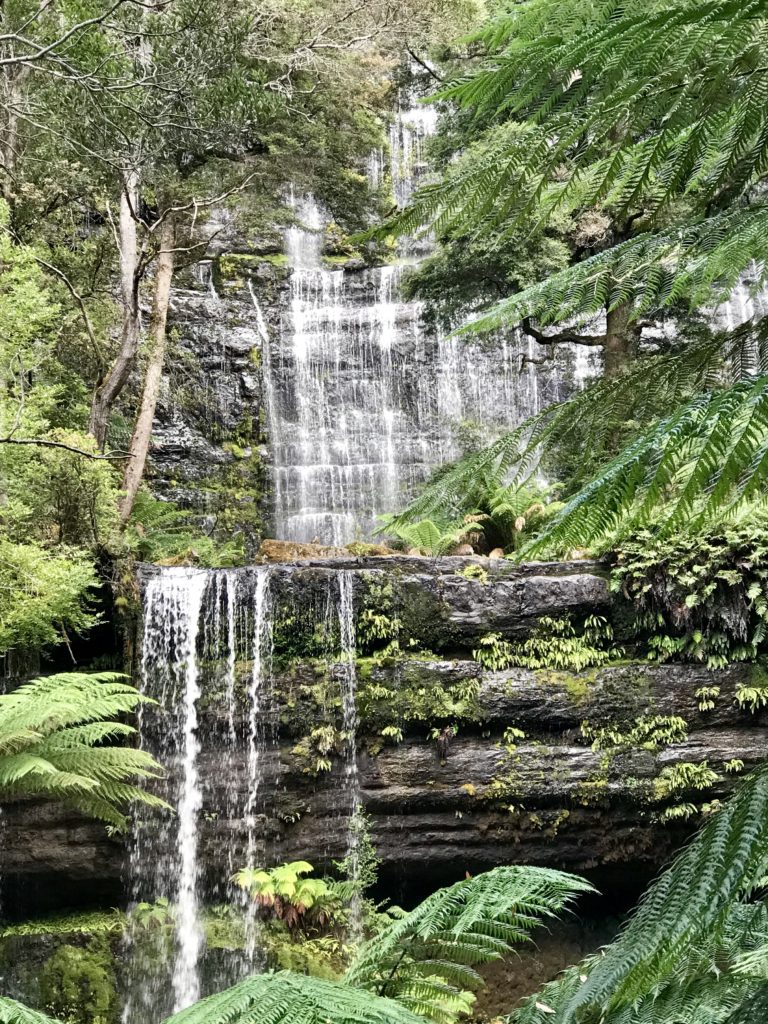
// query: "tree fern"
[[54, 736], [670, 964], [287, 998], [596, 420], [427, 958], [654, 110], [705, 461], [12, 1012]]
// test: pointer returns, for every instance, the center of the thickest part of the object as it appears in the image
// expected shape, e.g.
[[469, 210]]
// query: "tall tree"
[[652, 112]]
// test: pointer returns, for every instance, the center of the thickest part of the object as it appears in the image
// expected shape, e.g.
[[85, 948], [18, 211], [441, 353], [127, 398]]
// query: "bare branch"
[[44, 443], [562, 337], [79, 300]]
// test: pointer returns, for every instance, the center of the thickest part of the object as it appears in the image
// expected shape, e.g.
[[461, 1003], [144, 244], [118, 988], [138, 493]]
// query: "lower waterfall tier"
[[442, 805]]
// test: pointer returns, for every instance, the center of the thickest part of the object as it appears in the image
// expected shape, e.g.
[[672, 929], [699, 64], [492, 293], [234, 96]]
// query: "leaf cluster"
[[57, 738]]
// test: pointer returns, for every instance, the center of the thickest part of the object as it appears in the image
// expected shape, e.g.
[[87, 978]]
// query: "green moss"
[[96, 922], [78, 984]]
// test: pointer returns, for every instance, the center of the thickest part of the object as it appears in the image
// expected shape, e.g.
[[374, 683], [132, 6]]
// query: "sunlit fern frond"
[[287, 998], [704, 462], [427, 959], [12, 1012], [54, 742]]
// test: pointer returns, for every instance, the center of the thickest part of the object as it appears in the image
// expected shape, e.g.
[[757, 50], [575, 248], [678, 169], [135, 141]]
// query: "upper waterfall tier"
[[363, 405]]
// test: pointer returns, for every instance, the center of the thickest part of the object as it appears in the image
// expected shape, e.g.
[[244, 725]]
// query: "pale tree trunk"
[[109, 388], [14, 89], [622, 339], [142, 431]]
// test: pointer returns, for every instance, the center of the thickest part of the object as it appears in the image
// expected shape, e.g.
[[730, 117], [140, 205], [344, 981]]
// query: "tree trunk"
[[622, 338], [142, 431], [109, 388], [10, 142]]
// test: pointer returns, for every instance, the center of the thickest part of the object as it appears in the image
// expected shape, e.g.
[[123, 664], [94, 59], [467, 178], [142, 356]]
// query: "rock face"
[[460, 768], [209, 452]]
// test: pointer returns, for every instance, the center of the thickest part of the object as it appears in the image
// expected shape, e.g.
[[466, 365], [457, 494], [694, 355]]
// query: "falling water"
[[186, 984], [259, 712], [362, 404], [173, 604], [348, 642]]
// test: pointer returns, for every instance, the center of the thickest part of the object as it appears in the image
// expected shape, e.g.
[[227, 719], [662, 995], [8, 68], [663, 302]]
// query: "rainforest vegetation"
[[596, 181]]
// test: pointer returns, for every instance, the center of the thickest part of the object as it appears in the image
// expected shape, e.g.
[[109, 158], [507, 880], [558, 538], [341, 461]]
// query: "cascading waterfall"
[[206, 659], [362, 405], [259, 704], [348, 644], [173, 606], [200, 627]]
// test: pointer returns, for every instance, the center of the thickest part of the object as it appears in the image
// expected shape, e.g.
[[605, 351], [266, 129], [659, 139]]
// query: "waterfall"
[[348, 644], [186, 985], [164, 861], [362, 405], [259, 710]]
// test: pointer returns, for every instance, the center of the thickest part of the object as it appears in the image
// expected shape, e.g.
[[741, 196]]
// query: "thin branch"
[[44, 443], [79, 300], [423, 64], [562, 337], [79, 27]]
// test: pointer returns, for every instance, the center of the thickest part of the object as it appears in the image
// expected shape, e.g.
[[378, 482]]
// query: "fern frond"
[[705, 461], [692, 900], [597, 416], [12, 1012], [287, 998], [53, 733], [684, 956], [651, 272], [428, 956]]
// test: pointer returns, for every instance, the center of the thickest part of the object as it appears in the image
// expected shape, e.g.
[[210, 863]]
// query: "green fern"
[[654, 110], [286, 998], [670, 963], [54, 742], [706, 461], [428, 959], [591, 422], [12, 1012]]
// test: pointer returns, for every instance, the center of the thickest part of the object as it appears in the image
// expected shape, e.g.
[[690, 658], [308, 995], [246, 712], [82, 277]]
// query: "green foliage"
[[287, 895], [12, 1012], [700, 597], [647, 117], [492, 512], [377, 620], [648, 731], [95, 922], [415, 697], [428, 958], [79, 985], [683, 777], [44, 595], [553, 644], [161, 532], [55, 742], [562, 78], [674, 959], [284, 998], [427, 537], [754, 697], [704, 462]]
